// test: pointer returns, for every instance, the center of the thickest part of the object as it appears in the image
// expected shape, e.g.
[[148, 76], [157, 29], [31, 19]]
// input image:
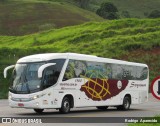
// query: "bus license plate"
[[20, 104]]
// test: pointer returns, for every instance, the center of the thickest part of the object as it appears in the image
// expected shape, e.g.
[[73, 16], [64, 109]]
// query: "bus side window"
[[75, 69], [119, 72], [144, 74], [69, 73], [66, 76], [51, 77], [133, 72]]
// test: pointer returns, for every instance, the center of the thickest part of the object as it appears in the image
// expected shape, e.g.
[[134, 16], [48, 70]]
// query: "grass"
[[21, 17], [134, 40]]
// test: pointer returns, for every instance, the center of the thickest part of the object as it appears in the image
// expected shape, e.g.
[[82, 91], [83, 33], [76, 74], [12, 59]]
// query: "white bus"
[[67, 80]]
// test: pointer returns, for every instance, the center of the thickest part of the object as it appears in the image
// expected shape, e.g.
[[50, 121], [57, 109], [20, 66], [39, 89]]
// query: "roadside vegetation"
[[134, 40]]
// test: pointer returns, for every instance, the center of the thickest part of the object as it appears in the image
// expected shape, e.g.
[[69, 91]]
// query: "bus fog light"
[[37, 103]]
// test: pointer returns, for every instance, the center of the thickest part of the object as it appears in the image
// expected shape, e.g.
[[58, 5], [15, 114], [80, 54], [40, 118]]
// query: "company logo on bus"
[[102, 89], [133, 84]]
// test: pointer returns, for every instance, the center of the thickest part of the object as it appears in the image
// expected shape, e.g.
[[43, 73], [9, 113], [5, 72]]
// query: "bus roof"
[[50, 56]]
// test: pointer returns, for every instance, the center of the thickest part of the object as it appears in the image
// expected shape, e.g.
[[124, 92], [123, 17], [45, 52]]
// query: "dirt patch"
[[140, 53]]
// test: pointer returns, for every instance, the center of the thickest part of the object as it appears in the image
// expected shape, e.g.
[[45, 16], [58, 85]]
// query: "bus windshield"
[[25, 77]]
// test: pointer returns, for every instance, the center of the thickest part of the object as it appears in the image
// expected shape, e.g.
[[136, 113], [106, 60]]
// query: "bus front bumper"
[[28, 104]]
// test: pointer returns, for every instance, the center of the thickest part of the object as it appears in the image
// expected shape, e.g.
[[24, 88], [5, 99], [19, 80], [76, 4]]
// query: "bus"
[[66, 80]]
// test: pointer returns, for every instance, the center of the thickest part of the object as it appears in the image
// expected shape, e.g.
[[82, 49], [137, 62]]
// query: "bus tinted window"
[[89, 69], [74, 69], [51, 74]]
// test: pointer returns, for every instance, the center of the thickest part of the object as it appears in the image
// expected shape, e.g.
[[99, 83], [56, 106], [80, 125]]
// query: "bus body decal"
[[102, 89]]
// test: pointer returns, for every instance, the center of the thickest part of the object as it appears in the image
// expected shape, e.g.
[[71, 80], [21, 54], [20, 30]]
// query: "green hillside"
[[136, 8], [135, 40], [20, 17]]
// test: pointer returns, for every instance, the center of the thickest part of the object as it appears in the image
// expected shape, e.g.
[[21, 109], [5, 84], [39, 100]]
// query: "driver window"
[[50, 76]]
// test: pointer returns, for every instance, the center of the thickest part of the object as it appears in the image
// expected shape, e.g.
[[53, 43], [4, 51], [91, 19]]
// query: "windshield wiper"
[[25, 78], [16, 85]]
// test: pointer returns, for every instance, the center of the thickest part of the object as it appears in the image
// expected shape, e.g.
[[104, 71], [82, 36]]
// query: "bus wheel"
[[126, 104], [39, 111], [102, 107], [65, 108]]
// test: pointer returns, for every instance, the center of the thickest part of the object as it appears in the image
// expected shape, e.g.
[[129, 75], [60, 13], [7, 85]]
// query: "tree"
[[109, 7], [154, 14], [125, 14], [108, 11]]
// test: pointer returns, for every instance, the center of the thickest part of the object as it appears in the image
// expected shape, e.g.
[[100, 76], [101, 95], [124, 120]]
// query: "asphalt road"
[[148, 109]]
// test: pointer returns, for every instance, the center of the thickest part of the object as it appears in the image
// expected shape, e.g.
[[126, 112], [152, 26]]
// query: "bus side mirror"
[[6, 69], [41, 68]]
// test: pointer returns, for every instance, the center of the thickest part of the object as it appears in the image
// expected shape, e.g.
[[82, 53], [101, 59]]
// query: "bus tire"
[[126, 104], [102, 107], [66, 106], [39, 111]]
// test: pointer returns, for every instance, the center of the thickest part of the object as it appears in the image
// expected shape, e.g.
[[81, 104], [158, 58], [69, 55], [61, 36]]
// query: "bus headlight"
[[36, 96]]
